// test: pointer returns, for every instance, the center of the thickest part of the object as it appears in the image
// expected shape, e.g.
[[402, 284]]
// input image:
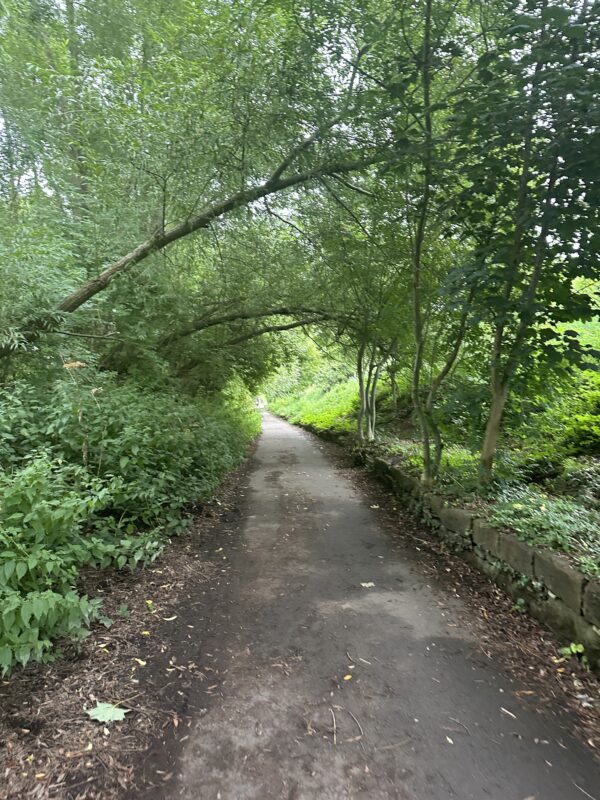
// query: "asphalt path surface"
[[342, 673]]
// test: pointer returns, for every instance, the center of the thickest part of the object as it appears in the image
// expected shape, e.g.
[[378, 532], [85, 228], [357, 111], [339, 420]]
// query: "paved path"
[[336, 688]]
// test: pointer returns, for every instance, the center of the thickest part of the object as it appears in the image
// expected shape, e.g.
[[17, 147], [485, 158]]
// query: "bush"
[[97, 475], [582, 424], [326, 407], [553, 522], [579, 478]]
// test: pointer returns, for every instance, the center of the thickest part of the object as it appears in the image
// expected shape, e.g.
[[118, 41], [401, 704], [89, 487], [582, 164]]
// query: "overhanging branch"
[[162, 239]]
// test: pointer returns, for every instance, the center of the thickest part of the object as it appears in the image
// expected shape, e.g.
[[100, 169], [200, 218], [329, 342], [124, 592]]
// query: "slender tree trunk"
[[12, 176], [361, 392], [80, 194], [502, 375], [394, 385], [419, 243], [492, 429], [373, 403], [368, 397]]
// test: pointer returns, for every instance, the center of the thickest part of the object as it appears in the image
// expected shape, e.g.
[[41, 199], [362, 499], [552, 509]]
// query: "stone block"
[[380, 467], [405, 483], [456, 519], [560, 578], [436, 504], [493, 570], [591, 602], [485, 536], [516, 553], [589, 636], [457, 542], [558, 617]]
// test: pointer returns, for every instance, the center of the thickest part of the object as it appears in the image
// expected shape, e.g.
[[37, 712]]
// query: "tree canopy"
[[191, 192]]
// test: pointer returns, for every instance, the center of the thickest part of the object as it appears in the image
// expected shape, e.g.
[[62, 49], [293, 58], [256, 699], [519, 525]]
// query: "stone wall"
[[561, 597]]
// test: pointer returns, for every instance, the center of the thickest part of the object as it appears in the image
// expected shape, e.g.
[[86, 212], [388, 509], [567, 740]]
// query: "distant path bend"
[[343, 675]]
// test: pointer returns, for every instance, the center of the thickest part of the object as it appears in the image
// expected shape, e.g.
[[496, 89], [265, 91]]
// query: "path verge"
[[49, 746]]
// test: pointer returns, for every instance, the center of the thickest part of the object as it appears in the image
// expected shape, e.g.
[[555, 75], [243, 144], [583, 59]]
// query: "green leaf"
[[9, 568], [39, 606], [576, 32], [26, 612], [556, 14], [5, 656], [107, 712]]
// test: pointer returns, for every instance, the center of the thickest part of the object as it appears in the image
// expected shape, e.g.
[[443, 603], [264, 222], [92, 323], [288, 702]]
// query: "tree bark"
[[502, 373], [373, 403], [361, 392], [427, 476], [203, 323], [492, 431]]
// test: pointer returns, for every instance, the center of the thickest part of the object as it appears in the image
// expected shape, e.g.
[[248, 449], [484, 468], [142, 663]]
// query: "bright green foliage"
[[582, 425], [325, 397], [97, 474], [324, 409], [552, 522]]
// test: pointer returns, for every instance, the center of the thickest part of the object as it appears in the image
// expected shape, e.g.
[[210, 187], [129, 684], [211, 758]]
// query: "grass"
[[332, 408]]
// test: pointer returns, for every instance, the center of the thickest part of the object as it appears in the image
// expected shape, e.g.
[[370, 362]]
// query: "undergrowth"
[[331, 407], [554, 522], [97, 474]]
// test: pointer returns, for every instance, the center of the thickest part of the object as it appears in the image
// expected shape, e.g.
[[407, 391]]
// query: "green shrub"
[[582, 418], [408, 452], [553, 522], [97, 475], [579, 478], [331, 407]]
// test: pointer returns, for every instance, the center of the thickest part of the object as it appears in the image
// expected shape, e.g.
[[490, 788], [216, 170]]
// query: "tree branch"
[[235, 316], [273, 329], [162, 239]]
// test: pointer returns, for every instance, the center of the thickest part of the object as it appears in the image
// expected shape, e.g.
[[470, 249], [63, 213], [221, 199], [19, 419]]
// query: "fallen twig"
[[396, 744], [362, 733], [583, 791], [458, 722]]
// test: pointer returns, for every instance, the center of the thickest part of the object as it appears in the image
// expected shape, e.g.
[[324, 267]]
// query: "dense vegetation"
[[412, 186]]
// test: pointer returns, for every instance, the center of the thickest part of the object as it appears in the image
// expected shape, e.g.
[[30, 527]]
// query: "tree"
[[529, 193]]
